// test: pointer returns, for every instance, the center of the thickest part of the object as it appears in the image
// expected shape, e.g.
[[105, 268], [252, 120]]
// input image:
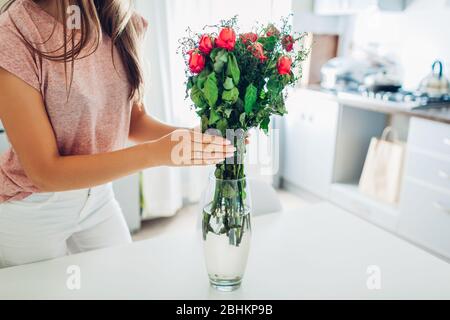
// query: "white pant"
[[50, 225]]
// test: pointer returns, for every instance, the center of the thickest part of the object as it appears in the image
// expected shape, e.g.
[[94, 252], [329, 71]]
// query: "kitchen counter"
[[361, 102], [318, 251]]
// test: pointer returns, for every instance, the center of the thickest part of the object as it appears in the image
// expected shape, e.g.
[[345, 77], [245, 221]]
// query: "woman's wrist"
[[156, 153]]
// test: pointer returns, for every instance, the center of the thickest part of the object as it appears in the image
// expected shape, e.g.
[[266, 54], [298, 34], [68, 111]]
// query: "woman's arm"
[[29, 130], [144, 127]]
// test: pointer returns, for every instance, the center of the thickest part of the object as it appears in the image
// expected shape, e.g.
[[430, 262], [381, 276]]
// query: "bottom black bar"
[[274, 309]]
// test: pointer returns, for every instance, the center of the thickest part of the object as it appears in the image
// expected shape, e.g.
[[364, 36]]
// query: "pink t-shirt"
[[95, 118]]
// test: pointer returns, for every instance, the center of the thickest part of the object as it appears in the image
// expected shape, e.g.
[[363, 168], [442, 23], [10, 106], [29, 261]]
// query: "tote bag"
[[382, 173]]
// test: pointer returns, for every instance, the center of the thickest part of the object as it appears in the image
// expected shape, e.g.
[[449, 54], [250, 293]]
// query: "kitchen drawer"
[[429, 169], [425, 216], [430, 136]]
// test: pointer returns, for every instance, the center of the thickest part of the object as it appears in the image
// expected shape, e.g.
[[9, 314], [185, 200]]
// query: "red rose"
[[257, 50], [284, 65], [206, 44], [196, 61], [272, 31], [249, 37], [288, 43], [226, 39]]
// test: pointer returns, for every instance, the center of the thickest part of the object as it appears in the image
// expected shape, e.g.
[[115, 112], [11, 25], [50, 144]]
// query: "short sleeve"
[[17, 58]]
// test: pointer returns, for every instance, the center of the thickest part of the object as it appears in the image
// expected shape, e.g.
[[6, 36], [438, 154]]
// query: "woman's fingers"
[[196, 146], [190, 147], [199, 155], [199, 137], [203, 138]]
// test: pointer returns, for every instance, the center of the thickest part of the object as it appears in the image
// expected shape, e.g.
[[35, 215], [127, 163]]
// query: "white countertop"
[[315, 252], [437, 113]]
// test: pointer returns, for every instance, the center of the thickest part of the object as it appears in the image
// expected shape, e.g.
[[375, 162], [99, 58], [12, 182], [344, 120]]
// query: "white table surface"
[[315, 252]]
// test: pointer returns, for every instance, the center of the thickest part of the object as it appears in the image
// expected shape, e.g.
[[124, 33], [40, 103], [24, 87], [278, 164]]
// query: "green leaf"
[[279, 105], [210, 90], [265, 125], [204, 123], [242, 118], [272, 64], [262, 94], [213, 117], [201, 79], [220, 60], [222, 126], [250, 98], [228, 84], [231, 95], [197, 97], [268, 43], [218, 66], [214, 53], [228, 112], [233, 69], [222, 56], [273, 85], [190, 83]]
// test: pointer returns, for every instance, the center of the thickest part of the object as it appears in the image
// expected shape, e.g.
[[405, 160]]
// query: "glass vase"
[[226, 227]]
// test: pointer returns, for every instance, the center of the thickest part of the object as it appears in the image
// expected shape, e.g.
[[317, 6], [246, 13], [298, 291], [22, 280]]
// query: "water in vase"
[[226, 246]]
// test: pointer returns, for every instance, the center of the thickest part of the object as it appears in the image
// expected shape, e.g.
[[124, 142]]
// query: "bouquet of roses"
[[236, 82]]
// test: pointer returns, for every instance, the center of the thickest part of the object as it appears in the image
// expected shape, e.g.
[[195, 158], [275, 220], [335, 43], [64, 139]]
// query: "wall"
[[417, 36]]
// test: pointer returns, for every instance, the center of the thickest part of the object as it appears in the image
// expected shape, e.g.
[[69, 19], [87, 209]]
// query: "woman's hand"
[[185, 147], [247, 136]]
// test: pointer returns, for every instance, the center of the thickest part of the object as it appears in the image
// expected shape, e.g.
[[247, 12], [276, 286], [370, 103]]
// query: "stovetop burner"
[[415, 99]]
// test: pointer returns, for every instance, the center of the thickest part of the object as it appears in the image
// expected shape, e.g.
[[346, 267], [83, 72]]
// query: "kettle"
[[435, 85]]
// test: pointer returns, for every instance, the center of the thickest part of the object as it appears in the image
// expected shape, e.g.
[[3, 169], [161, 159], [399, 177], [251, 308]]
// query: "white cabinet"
[[425, 200], [425, 216], [310, 137], [341, 7]]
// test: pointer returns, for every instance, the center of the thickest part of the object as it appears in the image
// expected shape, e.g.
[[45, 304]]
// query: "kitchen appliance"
[[343, 73], [435, 84], [382, 81], [415, 98], [401, 99]]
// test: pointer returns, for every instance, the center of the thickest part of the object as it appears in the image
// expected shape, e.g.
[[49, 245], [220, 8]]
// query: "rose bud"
[[206, 44], [196, 61], [226, 39], [272, 31], [249, 37], [284, 65], [288, 43], [257, 50]]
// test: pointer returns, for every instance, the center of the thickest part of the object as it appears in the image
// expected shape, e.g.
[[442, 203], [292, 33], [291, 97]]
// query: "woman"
[[70, 98]]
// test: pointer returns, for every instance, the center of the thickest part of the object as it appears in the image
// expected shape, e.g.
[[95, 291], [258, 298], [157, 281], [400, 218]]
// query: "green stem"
[[229, 202]]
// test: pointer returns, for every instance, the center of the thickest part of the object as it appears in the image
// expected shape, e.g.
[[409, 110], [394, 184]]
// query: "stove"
[[412, 99], [401, 99]]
